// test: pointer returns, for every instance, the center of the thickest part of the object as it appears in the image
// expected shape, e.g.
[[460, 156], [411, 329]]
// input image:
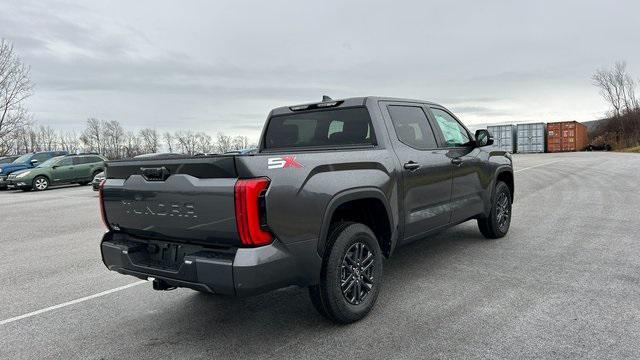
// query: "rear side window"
[[325, 128], [412, 127], [87, 159]]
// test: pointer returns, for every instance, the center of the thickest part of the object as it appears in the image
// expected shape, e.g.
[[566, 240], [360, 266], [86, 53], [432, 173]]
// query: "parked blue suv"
[[25, 161]]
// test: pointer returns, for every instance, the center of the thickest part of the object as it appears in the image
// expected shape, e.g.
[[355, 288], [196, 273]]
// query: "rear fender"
[[350, 195]]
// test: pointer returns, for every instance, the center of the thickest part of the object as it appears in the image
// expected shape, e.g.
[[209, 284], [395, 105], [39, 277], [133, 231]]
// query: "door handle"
[[411, 165], [456, 161]]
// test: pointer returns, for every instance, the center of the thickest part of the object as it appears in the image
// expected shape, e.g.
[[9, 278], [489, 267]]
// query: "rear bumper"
[[239, 272]]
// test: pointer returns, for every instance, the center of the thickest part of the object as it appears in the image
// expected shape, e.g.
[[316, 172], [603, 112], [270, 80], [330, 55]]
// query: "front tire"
[[351, 274], [40, 183], [497, 224]]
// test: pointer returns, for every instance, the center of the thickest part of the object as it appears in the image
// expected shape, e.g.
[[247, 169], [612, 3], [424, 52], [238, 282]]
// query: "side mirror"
[[483, 138], [33, 162]]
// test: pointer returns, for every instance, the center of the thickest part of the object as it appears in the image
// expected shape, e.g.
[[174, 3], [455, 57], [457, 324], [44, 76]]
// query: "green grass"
[[632, 149]]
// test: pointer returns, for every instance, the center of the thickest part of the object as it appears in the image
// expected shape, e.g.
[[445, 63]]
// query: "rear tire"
[[351, 274], [40, 183], [496, 225]]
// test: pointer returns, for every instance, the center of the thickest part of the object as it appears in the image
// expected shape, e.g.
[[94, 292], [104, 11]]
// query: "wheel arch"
[[386, 231], [503, 173], [506, 175]]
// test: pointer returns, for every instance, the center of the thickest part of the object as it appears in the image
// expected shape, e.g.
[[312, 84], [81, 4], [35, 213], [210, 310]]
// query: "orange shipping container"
[[566, 136]]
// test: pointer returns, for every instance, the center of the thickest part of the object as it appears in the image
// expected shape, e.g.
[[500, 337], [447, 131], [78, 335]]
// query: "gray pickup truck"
[[333, 189]]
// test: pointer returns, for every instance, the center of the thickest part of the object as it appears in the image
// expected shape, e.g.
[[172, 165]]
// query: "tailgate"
[[177, 199]]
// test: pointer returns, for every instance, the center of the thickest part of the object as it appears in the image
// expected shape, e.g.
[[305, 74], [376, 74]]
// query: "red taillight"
[[249, 193], [103, 214]]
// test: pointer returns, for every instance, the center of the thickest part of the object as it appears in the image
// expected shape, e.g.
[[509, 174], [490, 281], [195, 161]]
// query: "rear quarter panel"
[[298, 197]]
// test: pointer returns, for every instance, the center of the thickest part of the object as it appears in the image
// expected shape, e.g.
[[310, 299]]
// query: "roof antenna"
[[326, 98]]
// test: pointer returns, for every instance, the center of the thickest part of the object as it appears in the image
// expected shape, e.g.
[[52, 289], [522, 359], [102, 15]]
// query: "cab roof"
[[347, 102]]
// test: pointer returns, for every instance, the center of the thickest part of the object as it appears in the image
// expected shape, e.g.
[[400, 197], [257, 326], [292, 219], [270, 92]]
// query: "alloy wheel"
[[503, 213], [356, 273], [41, 183]]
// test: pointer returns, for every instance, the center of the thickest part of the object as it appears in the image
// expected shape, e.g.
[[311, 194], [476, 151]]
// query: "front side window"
[[50, 162], [323, 128], [412, 127], [65, 162], [454, 133]]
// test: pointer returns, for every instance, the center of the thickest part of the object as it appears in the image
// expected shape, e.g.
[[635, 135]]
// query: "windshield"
[[22, 159], [50, 162]]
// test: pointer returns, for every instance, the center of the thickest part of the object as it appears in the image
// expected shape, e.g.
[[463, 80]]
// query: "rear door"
[[83, 167], [426, 169], [467, 190]]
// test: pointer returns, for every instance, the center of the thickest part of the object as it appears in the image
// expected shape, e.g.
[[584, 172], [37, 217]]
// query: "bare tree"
[[168, 139], [15, 87], [223, 143], [92, 135], [69, 141], [617, 87], [131, 145], [204, 143], [186, 141], [113, 135], [47, 138], [240, 142], [150, 140]]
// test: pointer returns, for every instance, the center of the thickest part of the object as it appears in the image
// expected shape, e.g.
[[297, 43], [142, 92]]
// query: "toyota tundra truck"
[[334, 188]]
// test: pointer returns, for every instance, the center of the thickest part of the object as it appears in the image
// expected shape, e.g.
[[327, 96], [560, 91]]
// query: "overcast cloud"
[[220, 66]]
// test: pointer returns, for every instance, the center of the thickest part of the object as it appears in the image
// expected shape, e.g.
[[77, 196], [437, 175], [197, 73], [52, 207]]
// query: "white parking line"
[[535, 166], [54, 307]]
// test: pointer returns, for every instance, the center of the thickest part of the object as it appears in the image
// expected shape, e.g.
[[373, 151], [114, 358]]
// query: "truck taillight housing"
[[250, 211], [103, 214]]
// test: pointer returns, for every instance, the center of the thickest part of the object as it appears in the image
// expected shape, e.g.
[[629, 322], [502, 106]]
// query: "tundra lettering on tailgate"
[[185, 210]]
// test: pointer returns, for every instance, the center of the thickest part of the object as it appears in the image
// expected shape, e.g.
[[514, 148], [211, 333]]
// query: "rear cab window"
[[320, 129]]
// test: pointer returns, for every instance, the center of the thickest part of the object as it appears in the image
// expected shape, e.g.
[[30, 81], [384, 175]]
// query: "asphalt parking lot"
[[565, 283]]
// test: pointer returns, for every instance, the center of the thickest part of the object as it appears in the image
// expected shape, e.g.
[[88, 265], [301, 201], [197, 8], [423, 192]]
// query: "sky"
[[222, 65]]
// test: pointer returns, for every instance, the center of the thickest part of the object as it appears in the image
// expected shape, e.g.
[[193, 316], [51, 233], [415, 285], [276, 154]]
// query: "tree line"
[[112, 140], [621, 128]]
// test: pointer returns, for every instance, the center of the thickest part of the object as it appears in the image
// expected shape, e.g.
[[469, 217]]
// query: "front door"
[[64, 170], [426, 170], [467, 190]]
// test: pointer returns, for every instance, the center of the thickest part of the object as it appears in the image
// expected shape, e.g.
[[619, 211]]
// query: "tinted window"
[[95, 159], [82, 160], [412, 127], [50, 162], [65, 161], [454, 134], [43, 156], [326, 128]]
